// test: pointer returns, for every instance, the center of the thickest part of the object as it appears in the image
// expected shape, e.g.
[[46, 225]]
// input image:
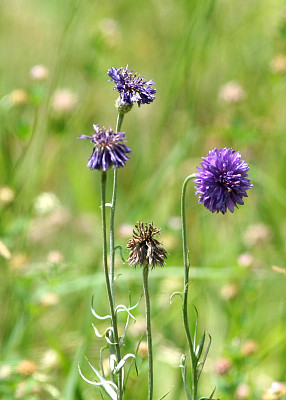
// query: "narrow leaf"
[[183, 366], [96, 332], [166, 394], [125, 331], [200, 346], [129, 368], [107, 385], [209, 398], [129, 308], [121, 252], [121, 308], [175, 294], [205, 357], [101, 359], [122, 362], [95, 314], [112, 362], [107, 331], [196, 327]]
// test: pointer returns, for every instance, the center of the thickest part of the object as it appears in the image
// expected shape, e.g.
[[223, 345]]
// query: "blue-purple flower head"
[[132, 87], [222, 180], [109, 149]]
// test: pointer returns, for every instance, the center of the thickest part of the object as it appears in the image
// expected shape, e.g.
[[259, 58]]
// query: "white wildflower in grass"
[[275, 392], [49, 299], [242, 392], [223, 366], [245, 260], [7, 195], [46, 203], [229, 291], [6, 371], [125, 230], [278, 64], [109, 29], [249, 348], [50, 360], [55, 257], [39, 72], [64, 101], [257, 234], [232, 92]]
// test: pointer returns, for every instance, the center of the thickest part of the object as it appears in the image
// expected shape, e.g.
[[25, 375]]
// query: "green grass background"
[[190, 49]]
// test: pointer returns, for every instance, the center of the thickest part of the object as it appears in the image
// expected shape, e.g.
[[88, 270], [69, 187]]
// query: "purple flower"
[[222, 180], [109, 149], [132, 87]]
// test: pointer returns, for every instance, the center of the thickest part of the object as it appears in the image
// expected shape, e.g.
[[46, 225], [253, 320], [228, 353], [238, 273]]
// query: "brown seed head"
[[145, 250]]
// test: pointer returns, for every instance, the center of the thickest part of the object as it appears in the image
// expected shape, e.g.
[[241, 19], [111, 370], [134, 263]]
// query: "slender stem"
[[186, 287], [148, 331], [112, 214], [108, 286]]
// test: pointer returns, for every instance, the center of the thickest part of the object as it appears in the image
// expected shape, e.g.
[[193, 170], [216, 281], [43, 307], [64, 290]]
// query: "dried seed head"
[[144, 249]]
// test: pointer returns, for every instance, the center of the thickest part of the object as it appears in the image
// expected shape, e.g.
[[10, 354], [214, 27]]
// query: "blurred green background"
[[220, 73]]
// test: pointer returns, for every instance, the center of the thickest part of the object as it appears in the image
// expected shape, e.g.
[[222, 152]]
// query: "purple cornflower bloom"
[[222, 180], [109, 149], [133, 88]]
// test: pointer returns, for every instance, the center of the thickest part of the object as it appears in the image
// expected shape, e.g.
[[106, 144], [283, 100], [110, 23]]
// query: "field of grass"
[[219, 69]]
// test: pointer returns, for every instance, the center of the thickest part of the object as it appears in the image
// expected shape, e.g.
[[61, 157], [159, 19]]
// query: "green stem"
[[112, 214], [148, 331], [186, 287], [108, 285]]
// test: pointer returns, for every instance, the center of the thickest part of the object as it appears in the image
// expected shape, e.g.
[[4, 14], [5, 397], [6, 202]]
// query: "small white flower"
[[64, 101], [46, 203], [39, 72], [232, 92]]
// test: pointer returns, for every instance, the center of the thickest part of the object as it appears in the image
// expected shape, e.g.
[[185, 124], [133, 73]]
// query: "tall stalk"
[[120, 118], [115, 338], [186, 288], [148, 331]]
